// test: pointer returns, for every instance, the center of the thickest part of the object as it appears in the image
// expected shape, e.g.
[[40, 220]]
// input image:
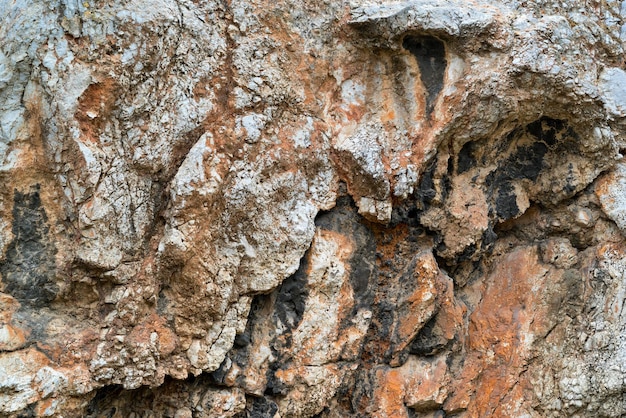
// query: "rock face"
[[243, 208]]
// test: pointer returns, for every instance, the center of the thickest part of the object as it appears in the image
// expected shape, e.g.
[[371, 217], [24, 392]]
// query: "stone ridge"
[[312, 209]]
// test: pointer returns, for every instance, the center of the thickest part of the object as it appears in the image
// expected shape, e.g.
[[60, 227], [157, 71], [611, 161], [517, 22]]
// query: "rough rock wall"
[[257, 208]]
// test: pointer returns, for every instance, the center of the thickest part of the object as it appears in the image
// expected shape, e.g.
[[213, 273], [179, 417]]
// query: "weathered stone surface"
[[294, 209]]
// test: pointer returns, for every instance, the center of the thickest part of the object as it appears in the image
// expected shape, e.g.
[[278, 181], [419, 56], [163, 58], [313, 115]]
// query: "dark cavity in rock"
[[430, 53], [29, 267], [428, 341], [466, 159], [292, 296], [101, 405], [426, 191]]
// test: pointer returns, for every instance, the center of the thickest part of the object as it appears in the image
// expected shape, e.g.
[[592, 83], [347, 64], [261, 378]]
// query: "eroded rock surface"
[[294, 209]]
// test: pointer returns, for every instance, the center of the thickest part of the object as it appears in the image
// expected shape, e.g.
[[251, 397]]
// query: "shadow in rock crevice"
[[430, 54]]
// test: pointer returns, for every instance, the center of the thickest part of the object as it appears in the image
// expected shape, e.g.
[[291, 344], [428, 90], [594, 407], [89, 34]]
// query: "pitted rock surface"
[[243, 208]]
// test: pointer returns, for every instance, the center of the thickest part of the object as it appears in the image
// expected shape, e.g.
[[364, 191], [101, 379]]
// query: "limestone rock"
[[319, 208]]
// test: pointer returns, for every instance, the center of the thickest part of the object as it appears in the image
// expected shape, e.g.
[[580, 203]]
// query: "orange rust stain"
[[388, 116], [354, 112], [76, 348], [202, 88], [16, 336], [43, 405], [389, 394], [498, 356], [391, 241], [602, 185], [95, 106], [287, 376], [345, 250], [141, 334]]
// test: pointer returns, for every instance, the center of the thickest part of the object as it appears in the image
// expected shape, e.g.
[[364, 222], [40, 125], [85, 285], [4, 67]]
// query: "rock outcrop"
[[242, 208]]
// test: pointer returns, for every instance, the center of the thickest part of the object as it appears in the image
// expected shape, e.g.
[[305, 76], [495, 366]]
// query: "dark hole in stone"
[[426, 191], [428, 341], [446, 186], [217, 376], [468, 253], [450, 166], [242, 340], [430, 53], [405, 213], [100, 404], [292, 297], [466, 159]]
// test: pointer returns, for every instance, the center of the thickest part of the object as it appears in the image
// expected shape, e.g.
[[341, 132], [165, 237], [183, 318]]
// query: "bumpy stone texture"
[[312, 208]]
